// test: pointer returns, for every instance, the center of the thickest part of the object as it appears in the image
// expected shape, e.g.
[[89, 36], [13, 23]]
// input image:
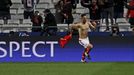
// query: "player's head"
[[83, 18]]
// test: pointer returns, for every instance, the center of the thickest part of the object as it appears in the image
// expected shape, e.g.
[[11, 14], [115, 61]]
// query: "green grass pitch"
[[92, 68]]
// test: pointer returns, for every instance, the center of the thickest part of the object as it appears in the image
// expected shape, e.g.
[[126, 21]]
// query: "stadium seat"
[[7, 28], [124, 26], [76, 17], [25, 27], [51, 6], [80, 10], [121, 20], [13, 11], [13, 22], [104, 20], [40, 10], [45, 1], [42, 5], [16, 1], [86, 10], [16, 16], [54, 1], [1, 22], [20, 11], [27, 22], [79, 6], [62, 27], [17, 6]]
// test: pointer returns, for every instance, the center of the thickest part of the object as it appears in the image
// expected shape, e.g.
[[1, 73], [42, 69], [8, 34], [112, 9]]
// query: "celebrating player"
[[83, 28]]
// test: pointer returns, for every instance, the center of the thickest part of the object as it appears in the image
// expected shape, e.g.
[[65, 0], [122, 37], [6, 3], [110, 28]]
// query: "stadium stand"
[[1, 22], [17, 17]]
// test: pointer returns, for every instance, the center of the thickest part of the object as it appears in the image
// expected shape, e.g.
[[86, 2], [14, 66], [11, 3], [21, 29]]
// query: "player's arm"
[[92, 25], [74, 26]]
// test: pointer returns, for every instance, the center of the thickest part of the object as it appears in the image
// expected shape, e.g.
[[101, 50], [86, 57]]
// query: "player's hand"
[[94, 23]]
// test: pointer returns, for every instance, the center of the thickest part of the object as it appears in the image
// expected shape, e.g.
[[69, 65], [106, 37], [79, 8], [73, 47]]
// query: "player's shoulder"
[[76, 23]]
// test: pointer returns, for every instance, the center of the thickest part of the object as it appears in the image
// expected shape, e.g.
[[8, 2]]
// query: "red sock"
[[87, 50], [83, 56]]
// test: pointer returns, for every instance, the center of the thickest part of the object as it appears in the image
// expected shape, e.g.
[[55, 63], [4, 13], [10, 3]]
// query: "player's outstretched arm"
[[92, 25], [74, 26]]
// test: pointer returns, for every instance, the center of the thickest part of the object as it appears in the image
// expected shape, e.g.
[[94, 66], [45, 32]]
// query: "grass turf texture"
[[93, 68]]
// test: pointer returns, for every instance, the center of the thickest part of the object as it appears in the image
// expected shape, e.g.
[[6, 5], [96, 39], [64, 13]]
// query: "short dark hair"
[[46, 11], [36, 11], [82, 15]]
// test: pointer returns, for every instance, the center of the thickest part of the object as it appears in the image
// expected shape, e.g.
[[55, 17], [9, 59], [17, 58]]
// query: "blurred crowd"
[[99, 10]]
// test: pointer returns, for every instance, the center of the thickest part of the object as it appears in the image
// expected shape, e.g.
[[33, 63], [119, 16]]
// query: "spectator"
[[94, 11], [74, 3], [118, 9], [37, 21], [29, 6], [128, 6], [130, 15], [108, 12], [11, 33], [115, 31], [87, 2], [59, 8], [5, 9], [50, 25], [101, 4], [67, 12]]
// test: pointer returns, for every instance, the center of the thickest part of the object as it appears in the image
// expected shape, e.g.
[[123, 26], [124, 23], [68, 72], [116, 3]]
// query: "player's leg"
[[83, 57], [87, 50], [87, 46], [86, 53], [81, 42]]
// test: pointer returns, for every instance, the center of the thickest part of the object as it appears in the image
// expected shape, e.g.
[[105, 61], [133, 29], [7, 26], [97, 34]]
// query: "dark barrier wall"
[[47, 49]]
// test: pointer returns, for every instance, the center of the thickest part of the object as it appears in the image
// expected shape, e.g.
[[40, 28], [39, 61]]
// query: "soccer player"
[[83, 28]]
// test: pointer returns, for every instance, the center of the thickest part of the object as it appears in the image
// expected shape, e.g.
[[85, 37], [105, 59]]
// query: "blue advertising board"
[[47, 49]]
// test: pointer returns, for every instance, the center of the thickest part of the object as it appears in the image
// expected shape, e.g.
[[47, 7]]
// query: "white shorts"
[[84, 42]]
